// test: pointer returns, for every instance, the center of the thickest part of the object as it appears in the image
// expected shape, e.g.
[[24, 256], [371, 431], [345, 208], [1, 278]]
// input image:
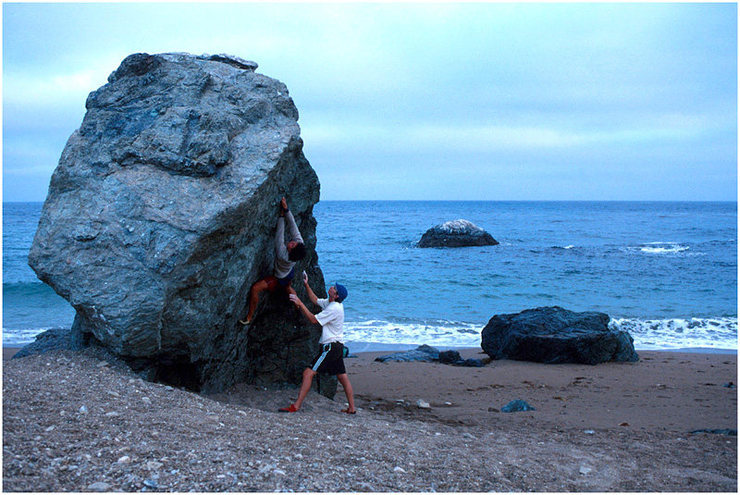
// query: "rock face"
[[161, 215], [456, 233], [556, 335]]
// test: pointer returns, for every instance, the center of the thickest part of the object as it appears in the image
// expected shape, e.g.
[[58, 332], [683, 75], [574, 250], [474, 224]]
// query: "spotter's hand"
[[305, 277], [294, 299]]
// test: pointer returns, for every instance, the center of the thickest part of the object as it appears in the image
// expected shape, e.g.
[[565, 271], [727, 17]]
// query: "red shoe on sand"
[[289, 409]]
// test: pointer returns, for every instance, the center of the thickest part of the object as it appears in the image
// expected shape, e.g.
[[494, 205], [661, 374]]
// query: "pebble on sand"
[[99, 486], [517, 406]]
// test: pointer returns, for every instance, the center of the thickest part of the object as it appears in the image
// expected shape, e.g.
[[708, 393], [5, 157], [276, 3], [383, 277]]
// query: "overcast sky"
[[422, 101]]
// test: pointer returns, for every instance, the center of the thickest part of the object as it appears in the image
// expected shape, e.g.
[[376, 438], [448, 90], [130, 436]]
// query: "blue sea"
[[664, 271]]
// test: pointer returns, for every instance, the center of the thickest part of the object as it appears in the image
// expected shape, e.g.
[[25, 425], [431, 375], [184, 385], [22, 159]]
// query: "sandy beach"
[[84, 422]]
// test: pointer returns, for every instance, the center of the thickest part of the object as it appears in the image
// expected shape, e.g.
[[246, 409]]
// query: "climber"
[[286, 256]]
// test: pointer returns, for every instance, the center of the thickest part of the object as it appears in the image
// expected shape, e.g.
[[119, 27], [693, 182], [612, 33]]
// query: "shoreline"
[[374, 347]]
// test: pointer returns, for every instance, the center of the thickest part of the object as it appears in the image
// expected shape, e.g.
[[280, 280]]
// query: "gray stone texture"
[[456, 233], [161, 214], [556, 335]]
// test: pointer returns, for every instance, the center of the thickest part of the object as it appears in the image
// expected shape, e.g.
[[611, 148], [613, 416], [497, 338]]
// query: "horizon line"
[[504, 200]]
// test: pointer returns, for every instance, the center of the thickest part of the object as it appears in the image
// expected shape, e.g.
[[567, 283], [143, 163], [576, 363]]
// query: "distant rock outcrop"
[[456, 233], [556, 335], [162, 212]]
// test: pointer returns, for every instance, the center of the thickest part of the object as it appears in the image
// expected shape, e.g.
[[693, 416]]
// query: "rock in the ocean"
[[161, 214], [517, 406], [423, 353], [556, 335], [456, 233]]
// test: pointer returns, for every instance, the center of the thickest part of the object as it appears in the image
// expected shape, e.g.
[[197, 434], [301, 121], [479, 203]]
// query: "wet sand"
[[663, 391]]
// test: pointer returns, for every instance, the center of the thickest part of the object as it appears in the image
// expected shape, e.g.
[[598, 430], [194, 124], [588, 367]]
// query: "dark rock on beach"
[[470, 363], [449, 357], [731, 432], [423, 353], [556, 335], [456, 233], [161, 214], [426, 353], [453, 357], [52, 340], [517, 406]]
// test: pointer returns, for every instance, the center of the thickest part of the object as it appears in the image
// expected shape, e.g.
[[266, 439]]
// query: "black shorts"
[[274, 283], [330, 359]]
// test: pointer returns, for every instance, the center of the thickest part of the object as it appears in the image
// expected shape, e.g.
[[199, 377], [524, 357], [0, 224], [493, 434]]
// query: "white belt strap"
[[321, 358]]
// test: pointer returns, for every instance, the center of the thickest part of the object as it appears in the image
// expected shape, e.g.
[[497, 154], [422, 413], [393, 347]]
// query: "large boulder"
[[556, 335], [456, 233], [161, 214]]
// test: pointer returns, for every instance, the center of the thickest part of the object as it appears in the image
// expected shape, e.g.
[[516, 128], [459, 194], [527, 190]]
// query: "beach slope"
[[74, 421]]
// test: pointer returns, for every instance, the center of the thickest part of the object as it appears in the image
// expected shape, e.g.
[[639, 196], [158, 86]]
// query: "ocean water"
[[664, 271]]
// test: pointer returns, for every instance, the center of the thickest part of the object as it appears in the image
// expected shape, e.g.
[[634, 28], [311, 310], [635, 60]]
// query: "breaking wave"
[[658, 334]]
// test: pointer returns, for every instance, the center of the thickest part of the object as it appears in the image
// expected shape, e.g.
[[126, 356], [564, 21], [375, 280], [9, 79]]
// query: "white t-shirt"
[[332, 321]]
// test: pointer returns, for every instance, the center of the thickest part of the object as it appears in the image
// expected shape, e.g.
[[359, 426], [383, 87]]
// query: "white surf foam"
[[657, 334], [435, 333], [660, 248], [21, 337], [680, 333], [663, 248]]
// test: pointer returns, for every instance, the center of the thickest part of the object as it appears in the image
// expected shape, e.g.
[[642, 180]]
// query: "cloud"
[[499, 138], [32, 89], [398, 91]]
